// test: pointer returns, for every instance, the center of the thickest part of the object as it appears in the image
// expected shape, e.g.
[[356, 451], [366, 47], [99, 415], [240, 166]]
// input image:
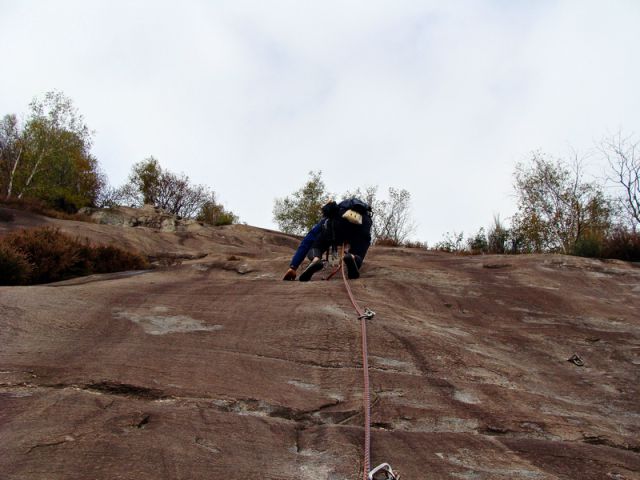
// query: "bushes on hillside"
[[35, 205], [6, 216], [45, 255], [391, 242], [52, 256], [619, 243], [15, 269], [212, 213], [386, 242], [107, 258], [622, 244]]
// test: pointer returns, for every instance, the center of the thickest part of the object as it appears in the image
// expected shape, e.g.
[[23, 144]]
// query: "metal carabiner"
[[383, 469], [367, 315], [576, 360]]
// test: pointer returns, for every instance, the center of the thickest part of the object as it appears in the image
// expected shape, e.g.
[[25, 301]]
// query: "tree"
[[11, 150], [298, 213], [149, 183], [48, 157], [478, 243], [392, 217], [556, 207], [623, 155], [369, 195], [146, 177], [392, 221]]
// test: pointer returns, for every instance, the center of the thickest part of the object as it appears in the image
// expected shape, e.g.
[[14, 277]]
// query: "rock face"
[[216, 368], [147, 216]]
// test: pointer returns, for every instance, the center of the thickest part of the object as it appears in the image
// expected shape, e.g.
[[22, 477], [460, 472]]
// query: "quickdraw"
[[383, 472], [367, 315], [576, 360]]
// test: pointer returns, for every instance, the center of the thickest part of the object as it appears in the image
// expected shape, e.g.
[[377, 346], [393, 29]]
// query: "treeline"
[[46, 160], [559, 210]]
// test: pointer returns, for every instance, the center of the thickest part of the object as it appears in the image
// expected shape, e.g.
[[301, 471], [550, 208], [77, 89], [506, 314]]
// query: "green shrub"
[[451, 242], [478, 243], [212, 213], [15, 269], [588, 246], [226, 218]]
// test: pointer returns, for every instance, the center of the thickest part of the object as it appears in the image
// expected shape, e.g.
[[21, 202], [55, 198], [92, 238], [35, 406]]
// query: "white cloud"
[[441, 98]]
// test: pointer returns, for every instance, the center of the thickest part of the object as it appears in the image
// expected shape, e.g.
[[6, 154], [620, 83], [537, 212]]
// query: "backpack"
[[355, 204], [333, 212]]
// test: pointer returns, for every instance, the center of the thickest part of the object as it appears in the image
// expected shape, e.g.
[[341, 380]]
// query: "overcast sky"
[[441, 98]]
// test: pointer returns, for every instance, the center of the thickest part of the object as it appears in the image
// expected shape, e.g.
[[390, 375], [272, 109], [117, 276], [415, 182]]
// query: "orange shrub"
[[622, 244], [386, 242], [15, 269], [44, 255]]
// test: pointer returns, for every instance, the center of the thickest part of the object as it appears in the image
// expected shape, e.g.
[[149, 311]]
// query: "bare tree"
[[175, 194], [11, 147], [392, 219], [369, 195], [149, 183], [623, 155], [556, 207]]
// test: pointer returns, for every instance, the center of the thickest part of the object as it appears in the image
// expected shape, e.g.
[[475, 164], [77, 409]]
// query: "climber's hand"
[[290, 275]]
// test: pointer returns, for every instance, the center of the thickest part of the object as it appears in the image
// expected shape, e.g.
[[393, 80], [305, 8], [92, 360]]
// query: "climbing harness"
[[382, 471]]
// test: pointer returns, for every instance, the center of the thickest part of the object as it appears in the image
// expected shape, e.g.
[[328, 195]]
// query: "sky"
[[441, 98]]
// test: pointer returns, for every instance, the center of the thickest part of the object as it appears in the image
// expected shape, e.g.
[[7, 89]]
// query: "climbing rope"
[[363, 316], [365, 369], [336, 270]]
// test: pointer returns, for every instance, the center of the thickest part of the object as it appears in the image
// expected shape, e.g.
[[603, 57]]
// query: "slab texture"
[[213, 367]]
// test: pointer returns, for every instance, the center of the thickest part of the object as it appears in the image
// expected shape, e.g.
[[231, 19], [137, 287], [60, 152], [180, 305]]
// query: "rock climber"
[[346, 223]]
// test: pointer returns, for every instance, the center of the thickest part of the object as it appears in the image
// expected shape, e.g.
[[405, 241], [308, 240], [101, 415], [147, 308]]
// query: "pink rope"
[[365, 369]]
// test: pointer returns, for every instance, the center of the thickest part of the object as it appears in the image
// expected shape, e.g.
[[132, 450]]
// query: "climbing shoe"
[[352, 265], [310, 270]]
